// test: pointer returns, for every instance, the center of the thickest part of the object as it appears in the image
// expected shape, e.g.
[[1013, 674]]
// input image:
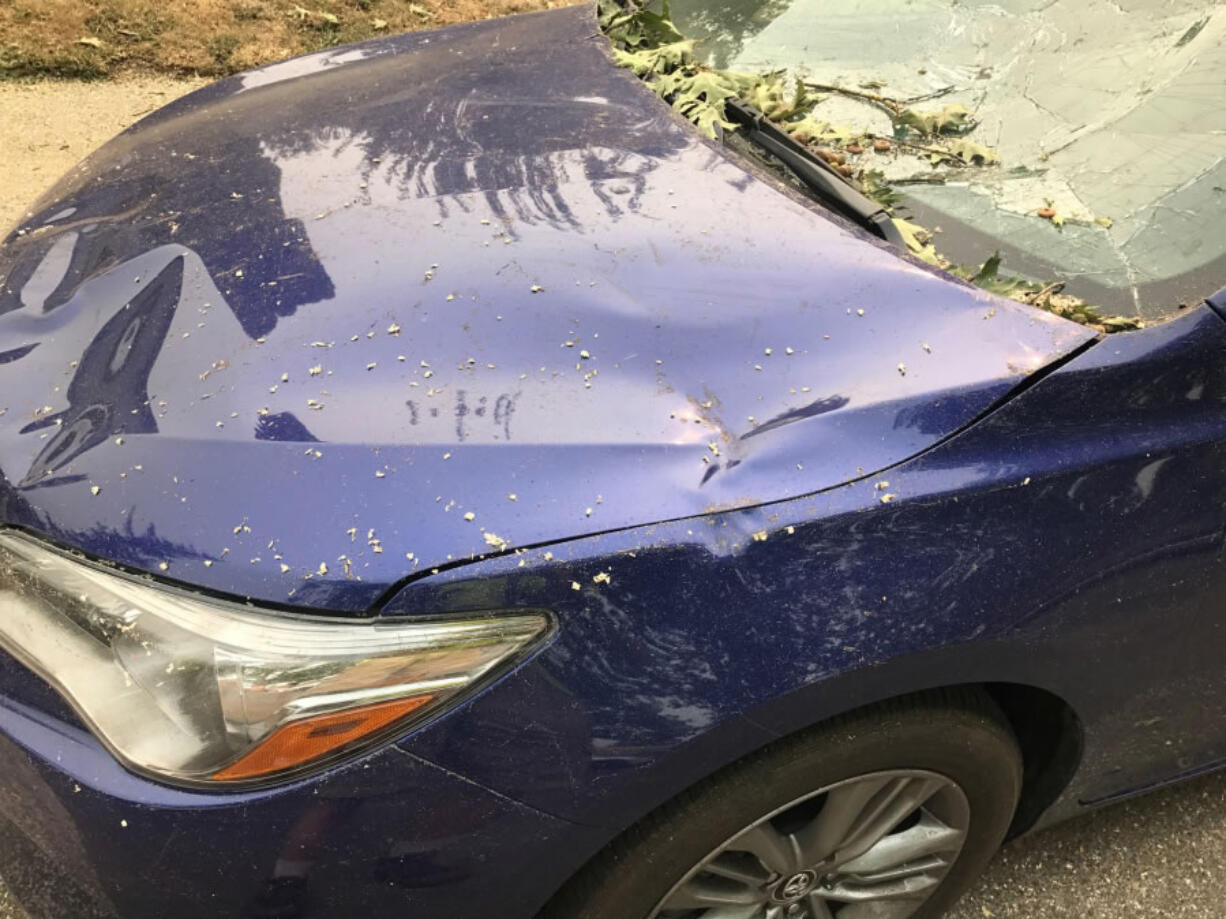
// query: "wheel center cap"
[[794, 887]]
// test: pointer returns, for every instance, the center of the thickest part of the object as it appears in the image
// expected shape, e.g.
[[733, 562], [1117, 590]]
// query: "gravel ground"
[[9, 909], [46, 128], [1162, 856]]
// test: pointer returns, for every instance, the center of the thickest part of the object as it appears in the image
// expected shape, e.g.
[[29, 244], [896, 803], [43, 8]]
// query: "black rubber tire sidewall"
[[966, 741]]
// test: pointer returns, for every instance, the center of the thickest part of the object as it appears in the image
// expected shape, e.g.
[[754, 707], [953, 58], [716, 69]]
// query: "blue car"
[[442, 479]]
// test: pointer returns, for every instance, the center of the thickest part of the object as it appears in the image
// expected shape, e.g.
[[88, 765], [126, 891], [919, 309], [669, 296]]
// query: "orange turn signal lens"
[[299, 742]]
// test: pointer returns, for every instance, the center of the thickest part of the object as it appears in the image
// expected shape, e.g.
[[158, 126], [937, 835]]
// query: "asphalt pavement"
[[1161, 855]]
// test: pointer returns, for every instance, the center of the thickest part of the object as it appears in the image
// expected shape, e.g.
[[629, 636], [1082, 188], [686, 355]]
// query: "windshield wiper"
[[814, 172]]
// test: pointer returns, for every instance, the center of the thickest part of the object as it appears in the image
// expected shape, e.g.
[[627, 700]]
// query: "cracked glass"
[[1108, 113]]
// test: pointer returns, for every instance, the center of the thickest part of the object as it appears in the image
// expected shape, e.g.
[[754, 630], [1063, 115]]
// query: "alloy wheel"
[[871, 847]]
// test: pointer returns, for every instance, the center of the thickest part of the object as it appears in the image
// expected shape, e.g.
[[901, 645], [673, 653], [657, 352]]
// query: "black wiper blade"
[[816, 174]]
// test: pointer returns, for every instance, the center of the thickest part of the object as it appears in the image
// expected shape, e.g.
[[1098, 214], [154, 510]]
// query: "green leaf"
[[649, 44], [770, 98], [951, 119], [971, 152], [810, 130], [700, 95], [873, 184], [918, 240], [710, 87], [986, 273], [667, 85], [640, 28], [988, 277], [707, 117], [660, 59]]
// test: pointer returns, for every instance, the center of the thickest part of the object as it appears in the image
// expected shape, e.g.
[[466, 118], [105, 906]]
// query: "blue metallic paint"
[[1074, 532], [198, 319], [385, 834], [1218, 300], [1069, 540], [1084, 559]]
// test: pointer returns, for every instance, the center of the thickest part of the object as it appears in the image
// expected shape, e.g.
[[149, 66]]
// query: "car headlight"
[[199, 690]]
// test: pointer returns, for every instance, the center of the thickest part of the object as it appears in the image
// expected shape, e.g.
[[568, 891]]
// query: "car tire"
[[701, 844]]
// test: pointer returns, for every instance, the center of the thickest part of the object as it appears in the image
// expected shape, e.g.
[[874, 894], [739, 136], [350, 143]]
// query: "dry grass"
[[87, 39]]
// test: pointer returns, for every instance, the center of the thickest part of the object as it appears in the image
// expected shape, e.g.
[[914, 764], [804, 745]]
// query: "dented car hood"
[[331, 323]]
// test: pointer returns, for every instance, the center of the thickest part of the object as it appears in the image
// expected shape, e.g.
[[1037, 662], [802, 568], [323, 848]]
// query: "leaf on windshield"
[[808, 130], [1049, 297], [988, 277], [874, 185], [652, 47], [970, 152], [918, 240], [1121, 323], [638, 27], [701, 98], [769, 95], [950, 119], [660, 59]]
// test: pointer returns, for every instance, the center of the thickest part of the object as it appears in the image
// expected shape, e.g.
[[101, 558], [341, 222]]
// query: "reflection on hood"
[[107, 394], [439, 306]]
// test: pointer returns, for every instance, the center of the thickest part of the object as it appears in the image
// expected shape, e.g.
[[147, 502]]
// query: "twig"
[[893, 105], [897, 106], [1049, 291], [952, 157], [927, 178], [928, 97]]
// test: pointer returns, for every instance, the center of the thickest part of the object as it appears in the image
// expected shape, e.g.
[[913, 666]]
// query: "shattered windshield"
[[1102, 125]]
